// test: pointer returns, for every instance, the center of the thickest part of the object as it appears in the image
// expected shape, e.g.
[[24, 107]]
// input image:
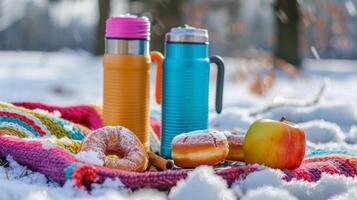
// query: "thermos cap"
[[187, 34], [128, 27]]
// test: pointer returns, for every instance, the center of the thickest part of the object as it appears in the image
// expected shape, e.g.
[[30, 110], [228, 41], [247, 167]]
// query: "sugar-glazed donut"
[[205, 147], [119, 141], [235, 142]]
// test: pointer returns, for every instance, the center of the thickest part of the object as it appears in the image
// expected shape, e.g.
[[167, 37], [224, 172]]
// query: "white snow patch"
[[265, 177], [89, 157], [321, 131], [202, 183], [65, 140], [268, 193], [350, 194], [68, 127], [341, 113], [55, 113], [231, 118], [147, 194], [255, 184], [46, 144], [352, 135], [109, 184], [328, 186]]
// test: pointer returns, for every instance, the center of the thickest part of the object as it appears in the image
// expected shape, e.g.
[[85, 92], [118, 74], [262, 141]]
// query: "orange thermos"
[[126, 65]]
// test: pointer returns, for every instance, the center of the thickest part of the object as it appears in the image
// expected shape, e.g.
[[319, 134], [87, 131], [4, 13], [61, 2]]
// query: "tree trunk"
[[287, 31], [104, 9], [166, 14]]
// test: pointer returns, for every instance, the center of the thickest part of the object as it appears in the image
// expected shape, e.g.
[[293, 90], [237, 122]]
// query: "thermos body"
[[185, 82], [126, 75], [126, 91]]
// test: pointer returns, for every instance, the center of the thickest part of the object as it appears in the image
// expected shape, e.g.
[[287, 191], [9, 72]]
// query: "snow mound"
[[111, 185], [230, 119], [343, 114], [321, 131], [328, 186], [351, 194], [148, 194], [268, 193], [352, 135], [90, 157], [265, 177], [202, 183], [268, 182]]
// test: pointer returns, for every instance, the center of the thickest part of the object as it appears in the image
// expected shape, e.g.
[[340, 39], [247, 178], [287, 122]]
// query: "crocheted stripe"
[[87, 115], [69, 170], [29, 116], [16, 127], [12, 131], [70, 145], [46, 124], [32, 154], [312, 167], [73, 131], [26, 119], [316, 152], [47, 120], [55, 129], [21, 123]]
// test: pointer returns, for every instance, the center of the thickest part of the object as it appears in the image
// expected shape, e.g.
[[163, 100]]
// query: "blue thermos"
[[185, 84]]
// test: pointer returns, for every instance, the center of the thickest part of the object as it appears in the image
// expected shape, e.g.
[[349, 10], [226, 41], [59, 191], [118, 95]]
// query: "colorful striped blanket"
[[27, 128]]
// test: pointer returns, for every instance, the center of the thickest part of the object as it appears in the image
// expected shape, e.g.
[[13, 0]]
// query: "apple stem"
[[282, 119]]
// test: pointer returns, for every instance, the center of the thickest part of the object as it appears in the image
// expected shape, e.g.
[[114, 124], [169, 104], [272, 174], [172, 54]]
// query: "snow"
[[258, 183], [202, 184], [352, 135], [74, 77], [89, 157], [321, 131], [55, 113], [341, 113], [47, 145], [231, 118], [268, 193], [266, 177]]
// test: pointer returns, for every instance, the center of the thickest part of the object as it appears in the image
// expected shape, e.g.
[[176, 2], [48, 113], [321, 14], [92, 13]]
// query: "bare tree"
[[104, 9], [165, 14], [287, 14]]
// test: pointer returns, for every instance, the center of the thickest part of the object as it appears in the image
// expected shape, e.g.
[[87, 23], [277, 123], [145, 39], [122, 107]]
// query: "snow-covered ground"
[[72, 77]]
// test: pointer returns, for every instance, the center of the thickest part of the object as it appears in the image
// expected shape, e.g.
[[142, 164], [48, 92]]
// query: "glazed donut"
[[129, 152], [235, 142], [204, 147]]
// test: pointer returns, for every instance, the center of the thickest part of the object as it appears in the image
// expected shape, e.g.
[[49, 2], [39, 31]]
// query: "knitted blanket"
[[59, 163]]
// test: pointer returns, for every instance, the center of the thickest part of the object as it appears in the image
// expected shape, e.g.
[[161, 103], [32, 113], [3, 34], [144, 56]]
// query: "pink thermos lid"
[[128, 27]]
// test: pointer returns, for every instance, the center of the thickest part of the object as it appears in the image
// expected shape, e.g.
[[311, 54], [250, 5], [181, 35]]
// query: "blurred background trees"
[[287, 15], [285, 28], [164, 15], [104, 11]]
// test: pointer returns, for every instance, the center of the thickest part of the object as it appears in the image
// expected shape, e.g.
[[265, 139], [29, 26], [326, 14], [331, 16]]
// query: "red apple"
[[277, 144]]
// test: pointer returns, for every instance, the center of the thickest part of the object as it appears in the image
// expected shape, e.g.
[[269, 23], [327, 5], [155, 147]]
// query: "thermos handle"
[[158, 58], [220, 81]]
